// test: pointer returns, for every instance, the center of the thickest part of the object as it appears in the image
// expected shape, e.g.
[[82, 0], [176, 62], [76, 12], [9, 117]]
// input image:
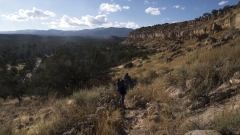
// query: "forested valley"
[[35, 66]]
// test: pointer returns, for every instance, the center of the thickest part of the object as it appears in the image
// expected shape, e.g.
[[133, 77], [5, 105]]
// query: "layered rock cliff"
[[188, 30]]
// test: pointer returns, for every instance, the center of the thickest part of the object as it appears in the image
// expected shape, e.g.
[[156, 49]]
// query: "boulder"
[[145, 58], [203, 132], [218, 95], [202, 37], [210, 41], [128, 65], [200, 103], [191, 83], [175, 92], [235, 80]]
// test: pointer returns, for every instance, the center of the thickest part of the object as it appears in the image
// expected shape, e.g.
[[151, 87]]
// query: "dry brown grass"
[[152, 79], [200, 63], [55, 116]]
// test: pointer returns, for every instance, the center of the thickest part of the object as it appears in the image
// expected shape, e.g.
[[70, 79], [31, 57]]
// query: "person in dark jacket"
[[118, 84], [123, 91], [128, 81]]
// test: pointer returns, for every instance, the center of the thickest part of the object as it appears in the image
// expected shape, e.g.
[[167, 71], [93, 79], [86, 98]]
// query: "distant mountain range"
[[97, 32]]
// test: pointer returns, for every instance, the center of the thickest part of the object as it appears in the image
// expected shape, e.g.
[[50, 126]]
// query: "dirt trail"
[[136, 122]]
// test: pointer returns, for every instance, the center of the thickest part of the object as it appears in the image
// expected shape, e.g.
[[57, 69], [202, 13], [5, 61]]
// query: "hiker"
[[122, 90], [128, 81], [118, 83]]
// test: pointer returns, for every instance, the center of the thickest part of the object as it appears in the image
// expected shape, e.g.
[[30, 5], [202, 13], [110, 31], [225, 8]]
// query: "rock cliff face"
[[189, 30]]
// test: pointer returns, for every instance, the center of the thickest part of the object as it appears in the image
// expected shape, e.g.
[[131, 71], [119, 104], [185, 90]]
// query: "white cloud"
[[110, 7], [146, 2], [175, 22], [177, 6], [91, 21], [153, 11], [131, 25], [126, 24], [66, 22], [222, 2], [99, 20], [126, 7], [24, 15]]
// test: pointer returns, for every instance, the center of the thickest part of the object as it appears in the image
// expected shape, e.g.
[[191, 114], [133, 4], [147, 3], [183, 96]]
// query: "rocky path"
[[136, 122]]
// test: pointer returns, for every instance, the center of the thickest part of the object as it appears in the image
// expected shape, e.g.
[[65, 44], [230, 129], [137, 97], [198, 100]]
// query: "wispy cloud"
[[179, 7], [165, 19], [25, 15], [163, 8], [126, 7], [176, 6], [222, 3], [146, 2], [153, 11]]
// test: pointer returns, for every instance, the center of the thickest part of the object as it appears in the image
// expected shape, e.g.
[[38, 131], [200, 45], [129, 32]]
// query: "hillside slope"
[[189, 85]]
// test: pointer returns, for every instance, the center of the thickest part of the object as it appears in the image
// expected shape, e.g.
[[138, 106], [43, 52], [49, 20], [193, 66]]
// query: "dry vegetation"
[[56, 116], [155, 76]]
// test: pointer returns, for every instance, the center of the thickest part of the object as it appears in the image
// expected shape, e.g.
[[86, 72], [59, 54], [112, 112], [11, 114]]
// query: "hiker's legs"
[[123, 97], [121, 101]]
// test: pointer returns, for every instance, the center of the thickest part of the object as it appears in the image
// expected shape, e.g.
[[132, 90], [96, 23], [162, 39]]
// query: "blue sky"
[[88, 14]]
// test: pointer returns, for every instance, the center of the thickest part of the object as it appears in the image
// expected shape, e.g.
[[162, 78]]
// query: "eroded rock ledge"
[[188, 30]]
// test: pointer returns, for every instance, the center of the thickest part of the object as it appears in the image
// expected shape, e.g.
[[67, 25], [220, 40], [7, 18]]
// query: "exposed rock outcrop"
[[203, 132], [197, 29]]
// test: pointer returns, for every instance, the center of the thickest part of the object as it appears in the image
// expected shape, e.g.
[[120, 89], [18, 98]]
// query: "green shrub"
[[194, 124], [6, 130], [149, 77], [191, 58], [227, 123], [85, 97], [177, 77]]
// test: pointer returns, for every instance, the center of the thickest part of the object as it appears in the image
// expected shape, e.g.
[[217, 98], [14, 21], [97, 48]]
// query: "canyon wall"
[[188, 30]]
